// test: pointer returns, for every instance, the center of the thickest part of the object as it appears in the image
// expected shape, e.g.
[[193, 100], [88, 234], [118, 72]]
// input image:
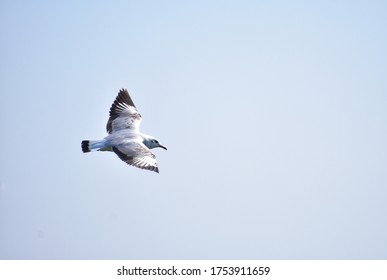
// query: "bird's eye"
[[156, 141]]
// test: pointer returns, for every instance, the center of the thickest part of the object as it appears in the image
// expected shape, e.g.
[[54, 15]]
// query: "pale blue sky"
[[274, 114]]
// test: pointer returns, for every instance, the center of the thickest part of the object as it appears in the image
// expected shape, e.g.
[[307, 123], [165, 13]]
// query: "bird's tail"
[[91, 145]]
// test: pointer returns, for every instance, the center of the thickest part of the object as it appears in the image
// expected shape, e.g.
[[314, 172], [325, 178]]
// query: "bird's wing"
[[123, 114], [138, 155]]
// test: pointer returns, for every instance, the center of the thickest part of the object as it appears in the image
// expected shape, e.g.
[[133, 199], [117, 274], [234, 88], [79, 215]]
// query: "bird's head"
[[152, 142]]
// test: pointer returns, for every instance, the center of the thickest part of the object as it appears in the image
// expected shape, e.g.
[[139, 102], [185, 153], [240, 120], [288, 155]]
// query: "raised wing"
[[123, 114], [138, 155]]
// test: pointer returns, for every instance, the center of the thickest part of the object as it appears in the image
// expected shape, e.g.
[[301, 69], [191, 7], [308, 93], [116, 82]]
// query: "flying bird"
[[125, 138]]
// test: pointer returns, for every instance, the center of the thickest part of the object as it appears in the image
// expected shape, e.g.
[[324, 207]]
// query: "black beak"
[[161, 146]]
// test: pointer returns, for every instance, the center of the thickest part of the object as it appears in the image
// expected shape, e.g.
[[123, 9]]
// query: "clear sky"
[[274, 114]]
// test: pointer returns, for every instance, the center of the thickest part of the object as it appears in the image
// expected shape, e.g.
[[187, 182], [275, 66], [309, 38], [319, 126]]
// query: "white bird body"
[[125, 139]]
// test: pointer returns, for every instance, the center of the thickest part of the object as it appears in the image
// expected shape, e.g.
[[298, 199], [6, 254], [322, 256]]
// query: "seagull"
[[125, 138]]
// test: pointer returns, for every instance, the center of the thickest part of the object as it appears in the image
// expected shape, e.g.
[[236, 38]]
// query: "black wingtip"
[[124, 97], [85, 146]]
